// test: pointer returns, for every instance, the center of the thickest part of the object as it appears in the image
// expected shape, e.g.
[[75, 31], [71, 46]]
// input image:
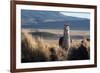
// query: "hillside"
[[51, 20]]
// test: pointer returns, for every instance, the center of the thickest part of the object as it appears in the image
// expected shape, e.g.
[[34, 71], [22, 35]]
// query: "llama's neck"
[[66, 41]]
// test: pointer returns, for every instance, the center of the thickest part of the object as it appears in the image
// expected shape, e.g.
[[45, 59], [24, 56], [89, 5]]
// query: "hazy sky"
[[77, 14]]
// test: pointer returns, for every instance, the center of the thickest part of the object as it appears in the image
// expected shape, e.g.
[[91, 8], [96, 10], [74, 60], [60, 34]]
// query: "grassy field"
[[44, 46]]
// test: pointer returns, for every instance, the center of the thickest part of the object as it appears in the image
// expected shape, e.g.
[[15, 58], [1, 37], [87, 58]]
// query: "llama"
[[64, 41]]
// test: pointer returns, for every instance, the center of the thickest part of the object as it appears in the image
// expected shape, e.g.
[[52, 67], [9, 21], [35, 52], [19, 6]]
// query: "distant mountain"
[[51, 20]]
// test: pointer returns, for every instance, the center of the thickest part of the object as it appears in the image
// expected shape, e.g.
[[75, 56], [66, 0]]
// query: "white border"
[[20, 65]]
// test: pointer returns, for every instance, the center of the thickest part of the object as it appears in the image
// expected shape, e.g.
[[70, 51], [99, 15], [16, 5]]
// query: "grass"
[[36, 49]]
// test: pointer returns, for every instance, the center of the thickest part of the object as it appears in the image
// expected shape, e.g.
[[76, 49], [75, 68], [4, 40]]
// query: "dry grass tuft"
[[32, 48]]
